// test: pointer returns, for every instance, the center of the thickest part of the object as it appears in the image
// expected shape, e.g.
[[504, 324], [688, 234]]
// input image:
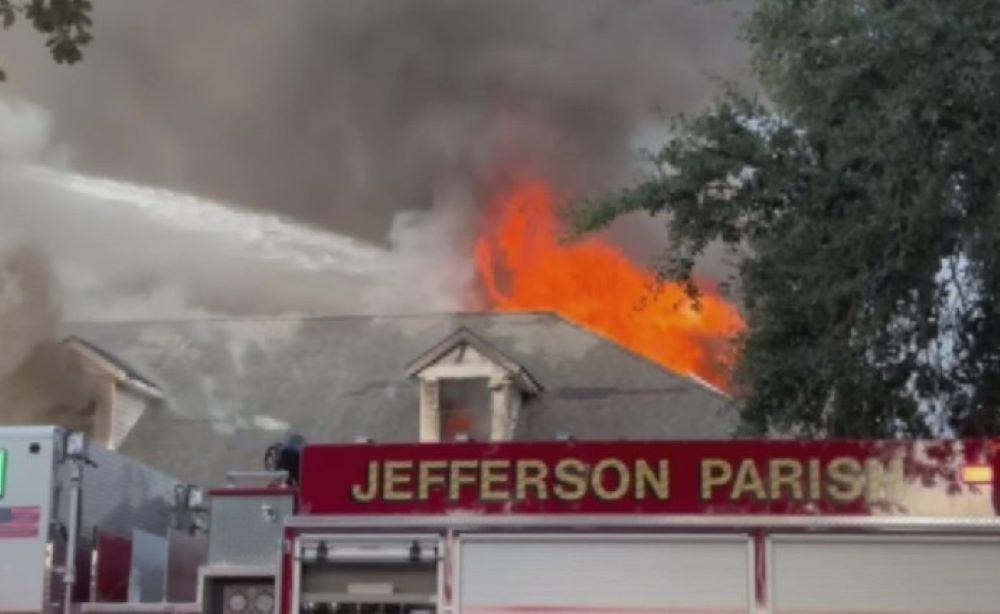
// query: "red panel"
[[731, 477], [185, 553], [760, 567], [114, 560], [284, 580], [81, 588]]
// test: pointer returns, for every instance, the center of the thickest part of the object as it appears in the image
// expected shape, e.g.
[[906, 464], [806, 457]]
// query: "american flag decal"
[[20, 521]]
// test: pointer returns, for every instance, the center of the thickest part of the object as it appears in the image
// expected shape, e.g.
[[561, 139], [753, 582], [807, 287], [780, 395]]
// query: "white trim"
[[727, 522], [900, 539], [117, 373], [142, 388], [463, 336]]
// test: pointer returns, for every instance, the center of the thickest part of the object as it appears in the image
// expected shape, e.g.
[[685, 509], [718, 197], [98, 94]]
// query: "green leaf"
[[871, 169]]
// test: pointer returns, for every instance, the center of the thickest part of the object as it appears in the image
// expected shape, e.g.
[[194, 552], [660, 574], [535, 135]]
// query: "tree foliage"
[[863, 198], [65, 23]]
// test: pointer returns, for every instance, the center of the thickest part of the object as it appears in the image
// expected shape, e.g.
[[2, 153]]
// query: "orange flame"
[[523, 266]]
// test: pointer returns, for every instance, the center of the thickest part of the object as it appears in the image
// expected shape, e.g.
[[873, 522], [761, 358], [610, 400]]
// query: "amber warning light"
[[977, 474]]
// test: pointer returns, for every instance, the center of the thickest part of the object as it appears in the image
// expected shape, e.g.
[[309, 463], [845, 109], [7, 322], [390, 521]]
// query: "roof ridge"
[[292, 317], [102, 353]]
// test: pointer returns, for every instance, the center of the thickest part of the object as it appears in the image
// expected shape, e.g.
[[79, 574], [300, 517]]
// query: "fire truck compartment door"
[[338, 549], [613, 573], [377, 570], [826, 573]]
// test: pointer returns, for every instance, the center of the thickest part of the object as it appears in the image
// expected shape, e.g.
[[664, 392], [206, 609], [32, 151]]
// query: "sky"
[[328, 151]]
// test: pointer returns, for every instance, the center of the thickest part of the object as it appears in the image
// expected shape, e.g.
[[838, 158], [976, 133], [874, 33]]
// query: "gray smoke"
[[353, 141], [38, 378], [29, 306], [36, 374], [125, 251], [102, 249], [341, 113], [384, 121]]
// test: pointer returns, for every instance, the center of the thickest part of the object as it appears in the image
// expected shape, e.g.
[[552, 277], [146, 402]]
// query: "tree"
[[863, 199], [65, 22]]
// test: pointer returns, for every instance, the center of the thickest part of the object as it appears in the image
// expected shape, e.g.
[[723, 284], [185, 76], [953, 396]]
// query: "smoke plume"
[[338, 151], [108, 250], [342, 113], [38, 379]]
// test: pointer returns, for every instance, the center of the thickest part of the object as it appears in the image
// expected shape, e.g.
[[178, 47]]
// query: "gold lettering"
[[846, 482], [785, 472], [658, 482], [748, 479], [597, 479], [365, 495], [489, 477], [531, 473], [714, 472], [429, 477], [458, 477], [883, 483], [571, 480], [398, 476], [814, 479]]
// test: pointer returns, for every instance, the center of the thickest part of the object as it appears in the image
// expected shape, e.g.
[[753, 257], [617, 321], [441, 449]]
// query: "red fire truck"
[[645, 527]]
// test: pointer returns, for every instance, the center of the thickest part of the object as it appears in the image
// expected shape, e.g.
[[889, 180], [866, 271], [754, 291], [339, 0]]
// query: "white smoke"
[[24, 135], [126, 251]]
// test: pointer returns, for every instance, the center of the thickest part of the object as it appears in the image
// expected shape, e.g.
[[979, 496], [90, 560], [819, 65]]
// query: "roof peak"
[[464, 337]]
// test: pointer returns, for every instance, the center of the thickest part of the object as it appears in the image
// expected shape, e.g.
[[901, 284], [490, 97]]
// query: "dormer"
[[122, 394], [469, 388]]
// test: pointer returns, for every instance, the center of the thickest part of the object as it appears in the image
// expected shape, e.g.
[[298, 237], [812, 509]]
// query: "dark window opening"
[[465, 408]]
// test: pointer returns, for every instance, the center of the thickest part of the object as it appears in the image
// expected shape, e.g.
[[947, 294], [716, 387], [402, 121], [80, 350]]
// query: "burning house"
[[220, 391], [564, 339]]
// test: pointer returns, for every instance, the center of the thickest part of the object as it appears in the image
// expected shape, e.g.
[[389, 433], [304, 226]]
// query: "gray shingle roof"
[[234, 386]]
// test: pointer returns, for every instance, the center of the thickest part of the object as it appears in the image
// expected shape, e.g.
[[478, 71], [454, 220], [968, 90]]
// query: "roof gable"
[[114, 366], [456, 345]]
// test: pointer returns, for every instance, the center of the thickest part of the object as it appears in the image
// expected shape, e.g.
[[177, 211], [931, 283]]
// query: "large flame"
[[523, 266]]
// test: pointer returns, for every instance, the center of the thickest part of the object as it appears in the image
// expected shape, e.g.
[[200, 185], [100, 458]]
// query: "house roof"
[[234, 386]]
